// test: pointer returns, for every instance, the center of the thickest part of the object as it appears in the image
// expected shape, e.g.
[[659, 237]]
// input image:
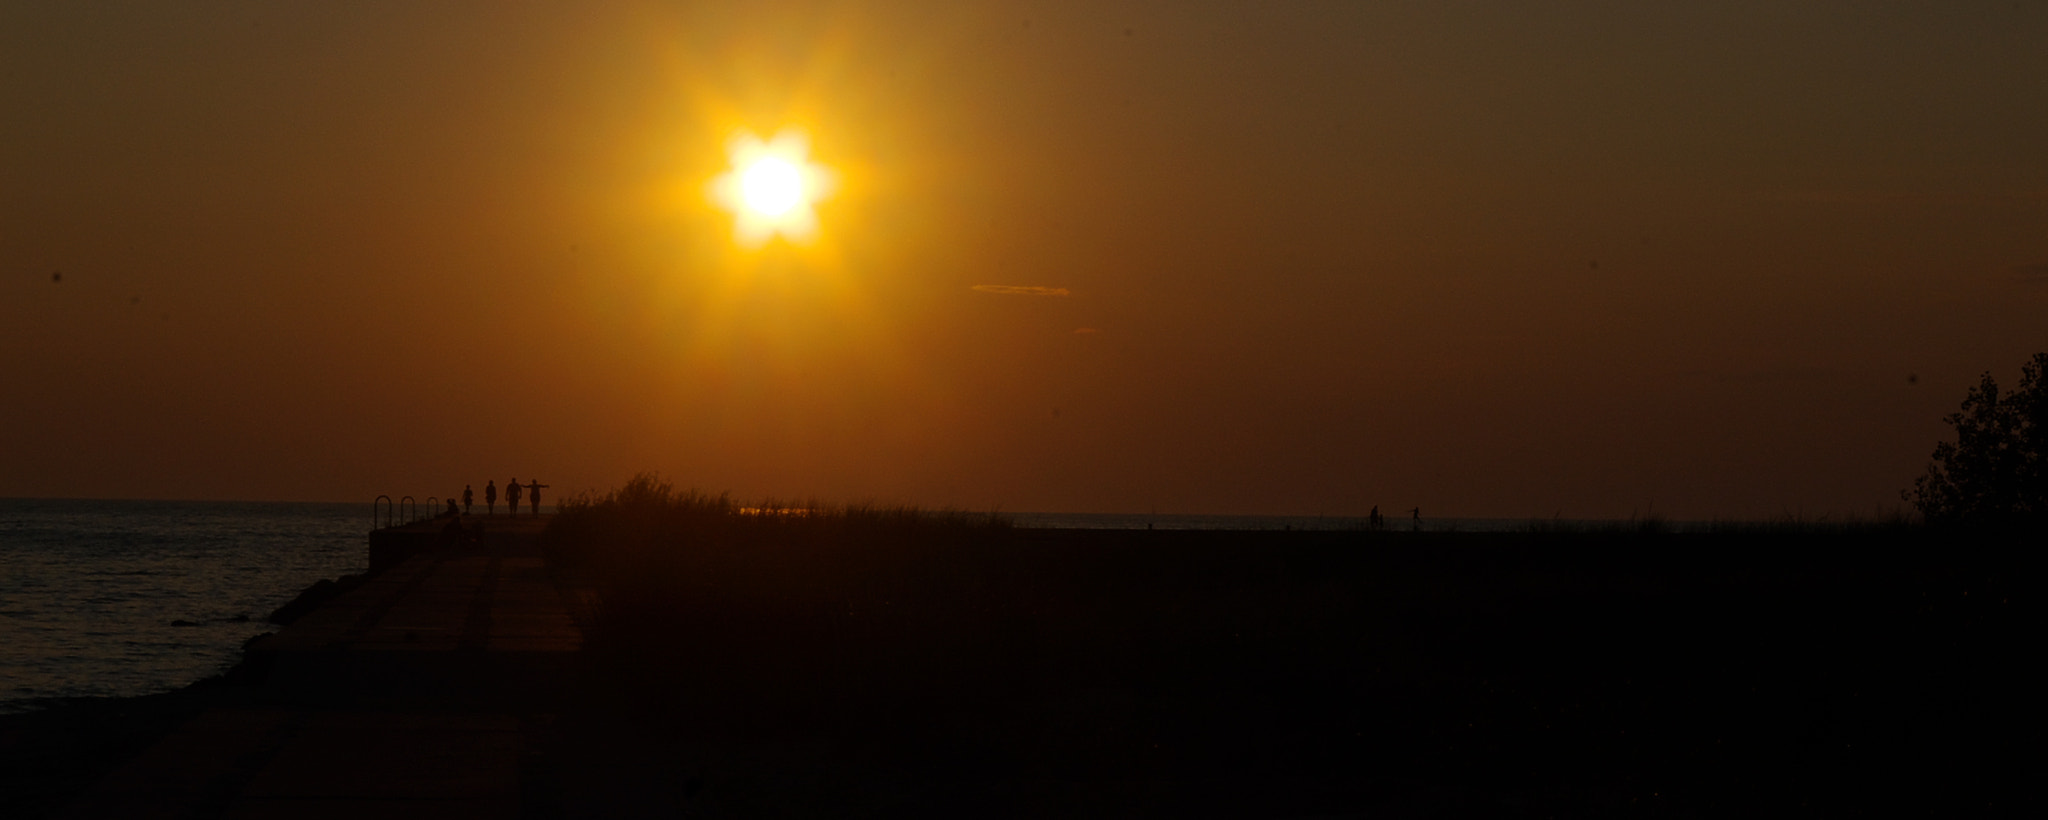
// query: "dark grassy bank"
[[861, 661]]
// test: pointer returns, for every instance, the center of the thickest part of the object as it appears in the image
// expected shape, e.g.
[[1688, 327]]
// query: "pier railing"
[[385, 513], [389, 544]]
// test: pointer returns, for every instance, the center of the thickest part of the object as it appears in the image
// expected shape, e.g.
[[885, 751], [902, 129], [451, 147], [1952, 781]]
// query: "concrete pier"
[[416, 694]]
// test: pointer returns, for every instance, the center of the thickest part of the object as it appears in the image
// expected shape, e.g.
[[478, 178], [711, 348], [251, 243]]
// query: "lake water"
[[117, 598]]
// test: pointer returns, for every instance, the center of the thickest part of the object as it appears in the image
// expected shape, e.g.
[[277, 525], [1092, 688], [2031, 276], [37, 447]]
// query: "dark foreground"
[[1298, 674], [1062, 673]]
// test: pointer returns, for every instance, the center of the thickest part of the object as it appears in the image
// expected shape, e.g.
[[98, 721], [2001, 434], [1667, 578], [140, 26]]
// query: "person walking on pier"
[[512, 490], [491, 497], [468, 499], [534, 497]]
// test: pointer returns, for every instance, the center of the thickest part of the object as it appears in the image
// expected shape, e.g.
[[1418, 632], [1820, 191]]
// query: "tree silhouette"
[[1996, 471]]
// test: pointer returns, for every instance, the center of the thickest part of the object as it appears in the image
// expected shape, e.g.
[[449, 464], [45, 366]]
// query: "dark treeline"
[[947, 663]]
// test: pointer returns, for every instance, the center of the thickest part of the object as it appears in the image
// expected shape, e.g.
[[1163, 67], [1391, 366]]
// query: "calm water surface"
[[116, 598]]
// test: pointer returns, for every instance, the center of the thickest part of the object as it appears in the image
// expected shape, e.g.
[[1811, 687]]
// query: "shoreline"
[[53, 749], [326, 680]]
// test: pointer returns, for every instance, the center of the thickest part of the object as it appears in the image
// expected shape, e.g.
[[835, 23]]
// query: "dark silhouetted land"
[[877, 662], [864, 662]]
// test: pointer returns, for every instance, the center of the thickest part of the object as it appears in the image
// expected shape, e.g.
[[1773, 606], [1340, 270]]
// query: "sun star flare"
[[771, 188]]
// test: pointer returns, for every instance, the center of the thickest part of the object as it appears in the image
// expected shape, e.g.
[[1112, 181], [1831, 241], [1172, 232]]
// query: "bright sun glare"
[[771, 187]]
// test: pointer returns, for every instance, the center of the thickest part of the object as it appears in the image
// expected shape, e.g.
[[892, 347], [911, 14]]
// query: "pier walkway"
[[419, 693]]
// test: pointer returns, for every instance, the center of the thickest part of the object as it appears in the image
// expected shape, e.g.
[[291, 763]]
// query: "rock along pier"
[[419, 692]]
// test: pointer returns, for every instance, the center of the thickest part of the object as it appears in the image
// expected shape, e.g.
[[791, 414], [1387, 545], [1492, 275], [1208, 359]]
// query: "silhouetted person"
[[453, 511], [468, 499], [1417, 525], [1375, 520], [512, 491], [453, 535], [490, 498], [534, 489]]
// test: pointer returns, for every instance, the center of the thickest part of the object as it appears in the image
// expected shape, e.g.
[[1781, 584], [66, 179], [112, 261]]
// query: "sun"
[[771, 188]]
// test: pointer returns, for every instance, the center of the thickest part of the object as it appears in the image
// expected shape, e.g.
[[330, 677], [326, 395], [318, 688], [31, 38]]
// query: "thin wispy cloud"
[[1769, 375], [1883, 197], [1022, 290]]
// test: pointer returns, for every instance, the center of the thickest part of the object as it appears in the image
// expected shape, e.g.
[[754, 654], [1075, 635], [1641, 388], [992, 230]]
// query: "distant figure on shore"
[[491, 497], [1417, 525], [468, 500], [512, 491], [453, 511], [454, 534], [1373, 520], [534, 489]]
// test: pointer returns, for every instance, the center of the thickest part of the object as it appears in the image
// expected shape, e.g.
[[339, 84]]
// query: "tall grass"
[[659, 552], [1894, 523], [1897, 522], [1651, 524], [648, 514], [944, 647]]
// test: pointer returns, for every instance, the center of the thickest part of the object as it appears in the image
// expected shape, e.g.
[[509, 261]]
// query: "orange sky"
[[1588, 260]]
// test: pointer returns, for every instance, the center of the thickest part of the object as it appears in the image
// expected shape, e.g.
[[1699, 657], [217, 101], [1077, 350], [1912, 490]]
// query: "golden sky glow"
[[1484, 258]]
